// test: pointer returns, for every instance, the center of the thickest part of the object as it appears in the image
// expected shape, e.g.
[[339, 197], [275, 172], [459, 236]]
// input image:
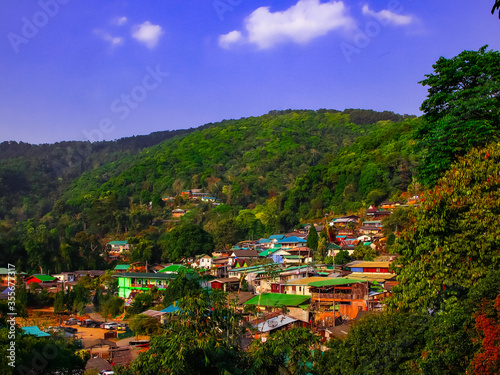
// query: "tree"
[[364, 252], [496, 7], [204, 339], [452, 240], [141, 302], [184, 285], [43, 355], [487, 360], [462, 109], [312, 238], [284, 352], [142, 324], [185, 241], [342, 257]]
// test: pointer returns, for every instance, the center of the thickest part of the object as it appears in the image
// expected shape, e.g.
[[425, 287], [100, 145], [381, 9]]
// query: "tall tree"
[[312, 238], [462, 109], [452, 240]]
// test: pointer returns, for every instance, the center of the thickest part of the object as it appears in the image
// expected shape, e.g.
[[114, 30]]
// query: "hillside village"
[[277, 282]]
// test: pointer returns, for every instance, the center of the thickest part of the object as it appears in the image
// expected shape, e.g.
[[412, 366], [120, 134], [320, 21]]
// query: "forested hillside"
[[33, 177], [244, 162]]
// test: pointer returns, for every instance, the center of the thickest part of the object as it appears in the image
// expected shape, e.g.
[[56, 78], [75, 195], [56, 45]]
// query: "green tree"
[[462, 109], [452, 241], [284, 352], [35, 355], [342, 257], [204, 339], [142, 324], [312, 238], [184, 285], [141, 302], [185, 241]]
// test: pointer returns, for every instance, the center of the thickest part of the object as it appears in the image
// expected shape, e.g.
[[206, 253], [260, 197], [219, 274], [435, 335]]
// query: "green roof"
[[275, 299], [117, 242], [293, 256], [122, 267], [44, 277], [173, 268], [139, 275], [331, 281]]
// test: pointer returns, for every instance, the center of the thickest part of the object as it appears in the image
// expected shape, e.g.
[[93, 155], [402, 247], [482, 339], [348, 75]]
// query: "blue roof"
[[264, 240], [277, 237], [292, 239], [171, 309], [34, 330]]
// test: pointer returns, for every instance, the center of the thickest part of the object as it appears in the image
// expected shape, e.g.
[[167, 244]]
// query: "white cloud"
[[388, 17], [147, 33], [302, 22], [227, 40], [113, 40], [120, 21]]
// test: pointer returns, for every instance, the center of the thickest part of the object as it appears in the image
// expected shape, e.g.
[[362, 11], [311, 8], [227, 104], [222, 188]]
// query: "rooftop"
[[275, 299]]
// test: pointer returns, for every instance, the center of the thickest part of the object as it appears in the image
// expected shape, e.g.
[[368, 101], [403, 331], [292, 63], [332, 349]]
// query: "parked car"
[[109, 325], [71, 330], [71, 321], [91, 323]]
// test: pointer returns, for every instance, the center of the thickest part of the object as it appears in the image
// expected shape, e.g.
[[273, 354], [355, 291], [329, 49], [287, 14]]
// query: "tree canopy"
[[462, 109], [452, 240]]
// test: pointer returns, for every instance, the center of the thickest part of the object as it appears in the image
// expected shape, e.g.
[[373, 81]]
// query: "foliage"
[[34, 355], [496, 7], [452, 241], [203, 340], [144, 325], [312, 238], [462, 110], [342, 257], [184, 285], [142, 301], [364, 252], [284, 352], [378, 344], [187, 240], [487, 360]]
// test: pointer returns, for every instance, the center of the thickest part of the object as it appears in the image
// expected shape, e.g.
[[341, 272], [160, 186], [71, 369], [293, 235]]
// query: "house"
[[276, 323], [415, 200], [350, 295], [291, 242], [239, 256], [174, 268], [390, 205], [344, 221], [371, 210], [137, 282], [66, 277], [203, 261], [198, 193], [122, 268], [40, 279], [178, 212], [116, 248], [296, 287], [371, 271], [227, 284]]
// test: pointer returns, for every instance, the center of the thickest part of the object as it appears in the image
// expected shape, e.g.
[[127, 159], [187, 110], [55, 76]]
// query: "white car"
[[110, 325]]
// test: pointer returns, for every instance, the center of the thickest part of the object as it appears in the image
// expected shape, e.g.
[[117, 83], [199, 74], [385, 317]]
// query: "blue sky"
[[93, 69]]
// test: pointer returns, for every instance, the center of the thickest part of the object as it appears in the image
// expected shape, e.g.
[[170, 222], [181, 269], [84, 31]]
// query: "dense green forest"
[[33, 177], [59, 219]]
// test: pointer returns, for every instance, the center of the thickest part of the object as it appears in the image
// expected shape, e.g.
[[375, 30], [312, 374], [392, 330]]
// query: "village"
[[275, 282]]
